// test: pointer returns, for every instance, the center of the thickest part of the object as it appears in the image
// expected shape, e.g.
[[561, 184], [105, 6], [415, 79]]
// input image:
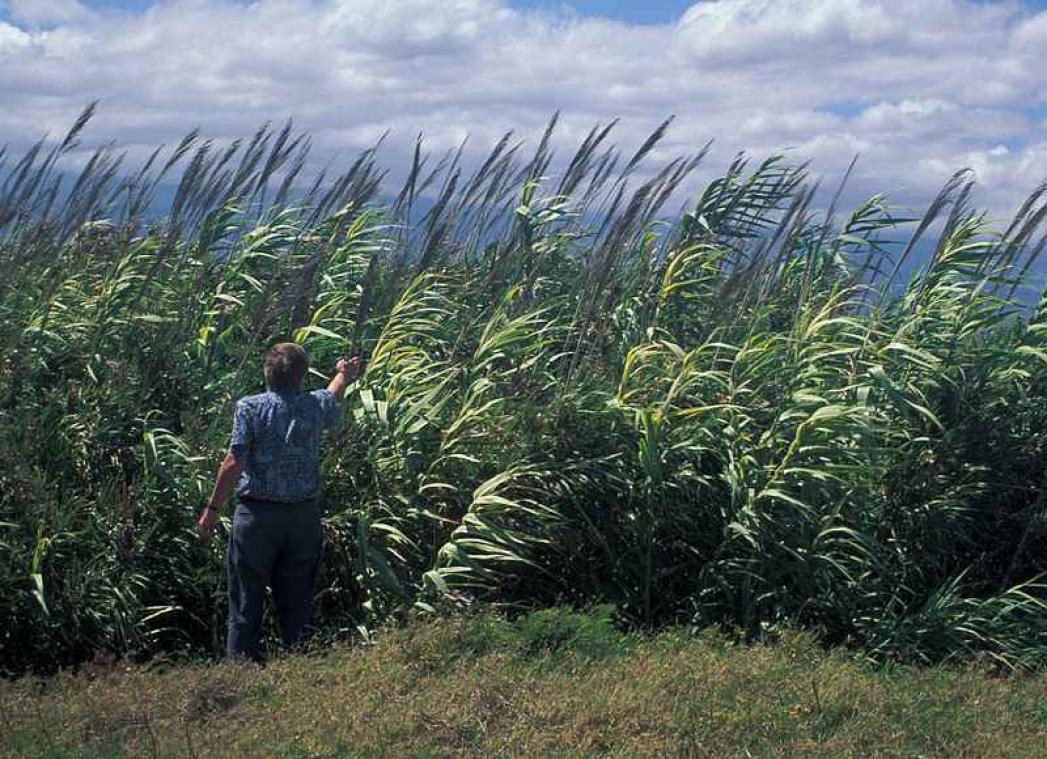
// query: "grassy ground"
[[554, 683]]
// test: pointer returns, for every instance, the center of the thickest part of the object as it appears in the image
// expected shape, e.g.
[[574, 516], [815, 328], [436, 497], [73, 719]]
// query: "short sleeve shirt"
[[276, 436]]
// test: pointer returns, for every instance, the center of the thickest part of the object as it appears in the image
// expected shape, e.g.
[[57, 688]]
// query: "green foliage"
[[736, 419]]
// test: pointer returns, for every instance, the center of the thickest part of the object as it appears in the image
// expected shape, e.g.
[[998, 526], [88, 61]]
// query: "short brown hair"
[[285, 366]]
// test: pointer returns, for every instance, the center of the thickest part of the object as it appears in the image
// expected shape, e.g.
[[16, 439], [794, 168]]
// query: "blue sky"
[[643, 12], [633, 11], [918, 88], [652, 12]]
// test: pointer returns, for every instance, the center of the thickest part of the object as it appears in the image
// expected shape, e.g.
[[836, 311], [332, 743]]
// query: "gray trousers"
[[275, 545]]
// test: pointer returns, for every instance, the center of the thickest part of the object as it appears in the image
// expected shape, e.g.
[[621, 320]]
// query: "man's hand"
[[206, 523], [350, 367], [346, 371]]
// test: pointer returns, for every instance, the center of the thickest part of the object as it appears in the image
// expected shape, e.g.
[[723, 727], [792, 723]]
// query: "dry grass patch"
[[485, 687]]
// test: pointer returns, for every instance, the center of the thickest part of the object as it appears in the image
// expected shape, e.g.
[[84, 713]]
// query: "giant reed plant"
[[758, 413]]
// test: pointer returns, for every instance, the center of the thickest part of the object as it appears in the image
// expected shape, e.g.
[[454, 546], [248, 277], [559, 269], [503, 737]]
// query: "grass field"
[[552, 683]]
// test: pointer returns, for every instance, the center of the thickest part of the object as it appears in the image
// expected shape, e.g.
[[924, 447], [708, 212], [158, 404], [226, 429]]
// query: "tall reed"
[[758, 412]]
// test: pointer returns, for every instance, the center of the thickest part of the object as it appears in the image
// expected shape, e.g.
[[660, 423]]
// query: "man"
[[273, 462]]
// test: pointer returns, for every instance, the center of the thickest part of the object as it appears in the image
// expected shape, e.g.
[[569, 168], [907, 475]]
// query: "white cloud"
[[1031, 35], [750, 26], [919, 88], [12, 40], [46, 12]]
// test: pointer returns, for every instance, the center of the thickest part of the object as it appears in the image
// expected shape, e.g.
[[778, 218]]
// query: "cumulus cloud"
[[12, 39], [44, 12], [920, 89]]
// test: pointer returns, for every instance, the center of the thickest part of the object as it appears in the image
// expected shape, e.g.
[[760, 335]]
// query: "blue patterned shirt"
[[276, 436]]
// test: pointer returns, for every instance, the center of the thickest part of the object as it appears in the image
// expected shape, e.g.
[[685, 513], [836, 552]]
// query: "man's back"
[[277, 437]]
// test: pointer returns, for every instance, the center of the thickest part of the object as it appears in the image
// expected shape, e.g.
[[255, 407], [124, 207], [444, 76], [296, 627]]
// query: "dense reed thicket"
[[741, 416]]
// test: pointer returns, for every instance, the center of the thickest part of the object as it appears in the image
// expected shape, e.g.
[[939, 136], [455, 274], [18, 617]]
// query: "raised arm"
[[345, 372]]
